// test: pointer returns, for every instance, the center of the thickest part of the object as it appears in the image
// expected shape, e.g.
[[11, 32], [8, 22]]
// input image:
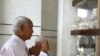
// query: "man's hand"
[[35, 50]]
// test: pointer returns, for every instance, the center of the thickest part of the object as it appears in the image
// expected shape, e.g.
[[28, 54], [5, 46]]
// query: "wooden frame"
[[74, 2], [86, 32]]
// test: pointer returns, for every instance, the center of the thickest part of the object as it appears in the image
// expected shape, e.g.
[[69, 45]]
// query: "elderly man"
[[45, 47], [15, 46]]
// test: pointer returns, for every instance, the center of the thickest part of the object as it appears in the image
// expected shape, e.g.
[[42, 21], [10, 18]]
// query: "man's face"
[[28, 30], [45, 45]]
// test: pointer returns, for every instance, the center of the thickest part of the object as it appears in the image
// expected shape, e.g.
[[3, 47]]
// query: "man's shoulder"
[[10, 44]]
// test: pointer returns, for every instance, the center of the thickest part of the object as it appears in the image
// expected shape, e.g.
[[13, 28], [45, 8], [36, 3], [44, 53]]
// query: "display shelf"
[[86, 32]]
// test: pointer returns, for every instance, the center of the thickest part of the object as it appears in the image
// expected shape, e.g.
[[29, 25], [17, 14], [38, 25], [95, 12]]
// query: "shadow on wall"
[[2, 11], [2, 22], [2, 17]]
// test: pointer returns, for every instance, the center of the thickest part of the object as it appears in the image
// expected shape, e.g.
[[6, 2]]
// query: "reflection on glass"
[[82, 13], [86, 44]]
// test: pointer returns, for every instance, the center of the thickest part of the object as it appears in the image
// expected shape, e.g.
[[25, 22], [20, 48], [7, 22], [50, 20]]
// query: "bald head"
[[22, 25]]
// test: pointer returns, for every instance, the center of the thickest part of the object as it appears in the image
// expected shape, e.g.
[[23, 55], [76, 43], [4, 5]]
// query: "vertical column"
[[60, 27], [98, 37], [66, 45]]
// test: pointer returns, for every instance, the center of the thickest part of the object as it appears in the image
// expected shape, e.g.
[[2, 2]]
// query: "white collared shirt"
[[14, 47], [44, 54]]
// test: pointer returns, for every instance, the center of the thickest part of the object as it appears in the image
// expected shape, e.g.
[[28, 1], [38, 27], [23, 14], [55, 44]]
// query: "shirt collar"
[[18, 39]]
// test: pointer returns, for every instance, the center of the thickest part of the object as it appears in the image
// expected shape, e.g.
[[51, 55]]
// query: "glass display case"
[[85, 27]]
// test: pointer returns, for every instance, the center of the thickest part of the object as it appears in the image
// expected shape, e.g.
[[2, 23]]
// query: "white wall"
[[49, 14], [9, 9], [66, 15]]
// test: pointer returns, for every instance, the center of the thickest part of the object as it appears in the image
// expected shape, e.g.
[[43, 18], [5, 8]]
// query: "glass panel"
[[86, 19]]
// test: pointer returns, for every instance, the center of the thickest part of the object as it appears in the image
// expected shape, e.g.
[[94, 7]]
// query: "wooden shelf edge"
[[74, 2], [86, 32]]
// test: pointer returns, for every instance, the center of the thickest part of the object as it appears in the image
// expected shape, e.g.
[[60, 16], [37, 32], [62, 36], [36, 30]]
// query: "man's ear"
[[22, 29]]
